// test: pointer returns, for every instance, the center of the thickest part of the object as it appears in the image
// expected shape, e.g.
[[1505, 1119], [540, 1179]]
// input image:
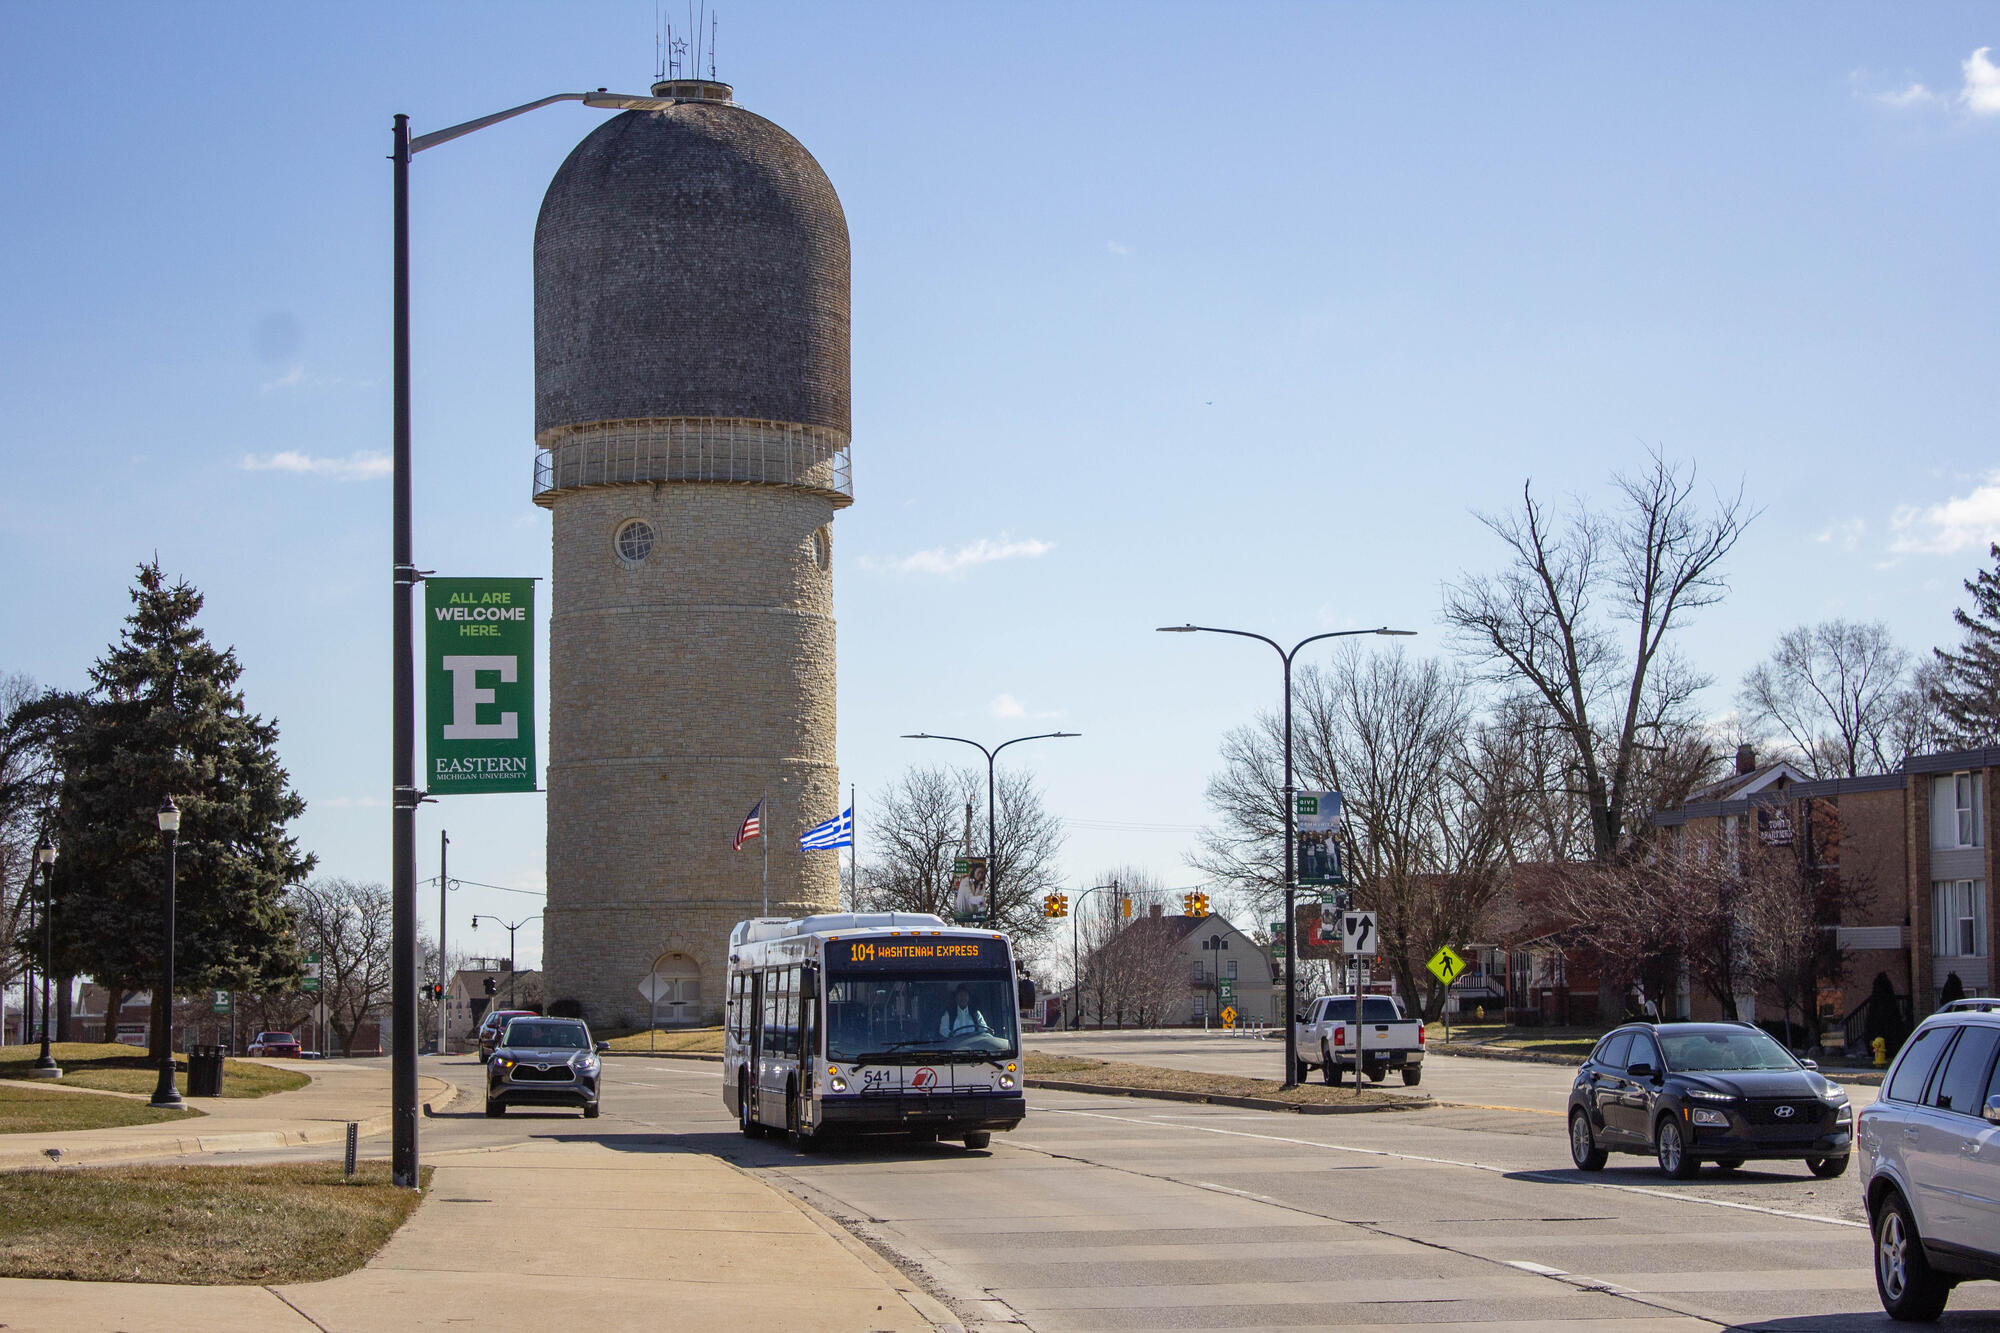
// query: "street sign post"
[[1357, 933], [1228, 1016], [222, 1002], [1226, 989], [1446, 965]]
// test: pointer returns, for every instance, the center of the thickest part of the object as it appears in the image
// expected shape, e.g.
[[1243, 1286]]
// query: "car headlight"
[[1715, 1119], [502, 1062], [585, 1064], [1704, 1095], [1834, 1093]]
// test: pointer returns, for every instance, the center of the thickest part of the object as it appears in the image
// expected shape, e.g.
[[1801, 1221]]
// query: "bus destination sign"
[[882, 952]]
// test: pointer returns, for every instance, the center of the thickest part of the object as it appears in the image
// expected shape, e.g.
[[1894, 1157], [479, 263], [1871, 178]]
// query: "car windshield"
[[1724, 1051], [554, 1036]]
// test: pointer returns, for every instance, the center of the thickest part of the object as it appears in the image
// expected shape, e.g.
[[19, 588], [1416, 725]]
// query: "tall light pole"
[[992, 848], [1291, 887], [404, 576], [45, 857], [1075, 968], [165, 1095], [513, 968]]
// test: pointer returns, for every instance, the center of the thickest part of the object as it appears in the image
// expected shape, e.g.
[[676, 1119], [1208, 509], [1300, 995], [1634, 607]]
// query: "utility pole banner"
[[479, 685]]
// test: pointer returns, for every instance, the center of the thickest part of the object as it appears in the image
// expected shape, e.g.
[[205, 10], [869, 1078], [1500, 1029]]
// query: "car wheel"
[[1910, 1289], [1301, 1071], [744, 1120], [1729, 1163], [1826, 1168], [1583, 1149], [494, 1108], [978, 1139], [1412, 1075], [590, 1111], [1328, 1067], [1376, 1073], [1670, 1146]]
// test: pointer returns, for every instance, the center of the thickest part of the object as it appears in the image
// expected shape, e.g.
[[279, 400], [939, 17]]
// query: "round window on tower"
[[822, 548], [634, 541]]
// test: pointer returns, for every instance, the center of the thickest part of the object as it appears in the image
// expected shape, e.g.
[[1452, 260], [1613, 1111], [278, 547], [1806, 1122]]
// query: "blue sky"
[[1220, 313]]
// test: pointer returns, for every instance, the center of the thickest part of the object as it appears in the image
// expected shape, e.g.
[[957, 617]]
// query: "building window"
[[1958, 918], [1200, 970], [1200, 1007], [1231, 973], [822, 548], [1955, 810], [634, 541]]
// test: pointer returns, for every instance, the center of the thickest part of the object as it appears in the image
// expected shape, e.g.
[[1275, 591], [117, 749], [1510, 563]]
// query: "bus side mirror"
[[1026, 988], [809, 985]]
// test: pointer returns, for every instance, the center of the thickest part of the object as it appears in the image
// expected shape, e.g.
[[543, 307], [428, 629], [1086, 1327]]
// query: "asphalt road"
[[1121, 1213]]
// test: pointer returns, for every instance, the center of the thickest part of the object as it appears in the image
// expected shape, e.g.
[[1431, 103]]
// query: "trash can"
[[204, 1071]]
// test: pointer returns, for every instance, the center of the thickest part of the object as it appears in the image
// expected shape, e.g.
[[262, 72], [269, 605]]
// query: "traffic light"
[[1187, 904], [1198, 905], [1062, 904], [1050, 908], [1125, 903], [492, 986]]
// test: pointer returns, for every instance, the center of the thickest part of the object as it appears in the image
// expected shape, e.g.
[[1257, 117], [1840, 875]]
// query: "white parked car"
[[1331, 1038], [1930, 1162]]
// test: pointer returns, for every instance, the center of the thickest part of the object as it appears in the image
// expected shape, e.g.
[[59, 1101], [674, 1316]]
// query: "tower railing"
[[752, 453]]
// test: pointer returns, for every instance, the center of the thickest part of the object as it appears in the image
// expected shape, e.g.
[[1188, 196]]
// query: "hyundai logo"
[[1784, 1112]]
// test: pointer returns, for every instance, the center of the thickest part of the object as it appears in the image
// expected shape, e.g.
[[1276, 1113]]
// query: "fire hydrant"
[[1480, 1013], [1881, 1048]]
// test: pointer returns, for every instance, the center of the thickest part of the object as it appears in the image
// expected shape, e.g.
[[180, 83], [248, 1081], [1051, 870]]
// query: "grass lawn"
[[26, 1109], [1117, 1073], [116, 1067], [207, 1225], [707, 1040]]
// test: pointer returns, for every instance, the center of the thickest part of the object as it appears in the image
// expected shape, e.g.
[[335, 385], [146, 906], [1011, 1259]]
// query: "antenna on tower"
[[711, 46], [659, 47]]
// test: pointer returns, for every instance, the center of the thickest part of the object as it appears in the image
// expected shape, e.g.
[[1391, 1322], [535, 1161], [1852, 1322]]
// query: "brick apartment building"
[[1914, 849]]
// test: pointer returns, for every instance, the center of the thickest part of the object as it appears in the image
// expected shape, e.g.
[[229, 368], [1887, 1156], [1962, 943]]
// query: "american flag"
[[753, 827]]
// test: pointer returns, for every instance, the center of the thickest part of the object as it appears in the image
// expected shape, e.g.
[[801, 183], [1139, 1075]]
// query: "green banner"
[[479, 674]]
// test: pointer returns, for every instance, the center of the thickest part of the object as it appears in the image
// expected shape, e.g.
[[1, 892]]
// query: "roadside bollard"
[[1881, 1047], [353, 1139]]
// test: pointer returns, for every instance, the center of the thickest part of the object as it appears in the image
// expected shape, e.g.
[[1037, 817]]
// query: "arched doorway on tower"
[[673, 988]]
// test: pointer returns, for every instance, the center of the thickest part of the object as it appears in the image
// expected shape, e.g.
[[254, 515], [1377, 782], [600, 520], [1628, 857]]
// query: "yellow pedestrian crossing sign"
[[1446, 965], [1229, 1017]]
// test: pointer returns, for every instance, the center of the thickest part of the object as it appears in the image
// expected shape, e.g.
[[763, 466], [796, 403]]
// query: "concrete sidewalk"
[[581, 1233], [318, 1113]]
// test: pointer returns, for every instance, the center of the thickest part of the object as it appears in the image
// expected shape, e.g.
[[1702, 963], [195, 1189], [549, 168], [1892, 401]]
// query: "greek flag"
[[835, 832]]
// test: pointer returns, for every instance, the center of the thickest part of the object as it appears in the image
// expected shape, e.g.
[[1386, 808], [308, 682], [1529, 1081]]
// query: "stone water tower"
[[691, 422]]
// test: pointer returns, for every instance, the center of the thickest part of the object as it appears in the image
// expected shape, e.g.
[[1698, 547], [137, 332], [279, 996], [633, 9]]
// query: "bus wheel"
[[979, 1138], [744, 1120]]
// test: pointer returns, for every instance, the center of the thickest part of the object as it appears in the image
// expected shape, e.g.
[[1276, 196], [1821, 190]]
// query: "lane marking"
[[1544, 1177], [1541, 1269]]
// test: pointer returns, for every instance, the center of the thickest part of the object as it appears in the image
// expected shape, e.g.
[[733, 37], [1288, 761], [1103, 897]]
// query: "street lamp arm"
[[1211, 629], [932, 736], [1348, 633], [1044, 736], [600, 99]]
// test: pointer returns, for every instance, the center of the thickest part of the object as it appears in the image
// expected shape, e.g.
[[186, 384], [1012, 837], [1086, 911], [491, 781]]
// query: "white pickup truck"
[[1330, 1038]]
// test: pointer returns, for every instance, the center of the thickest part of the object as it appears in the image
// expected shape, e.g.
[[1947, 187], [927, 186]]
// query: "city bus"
[[872, 1023]]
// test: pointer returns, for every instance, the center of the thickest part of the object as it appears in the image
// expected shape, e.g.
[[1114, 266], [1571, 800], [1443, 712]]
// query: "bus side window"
[[771, 1002], [791, 1011]]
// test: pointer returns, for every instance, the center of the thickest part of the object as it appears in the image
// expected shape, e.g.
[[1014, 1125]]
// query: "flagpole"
[[764, 837], [853, 855]]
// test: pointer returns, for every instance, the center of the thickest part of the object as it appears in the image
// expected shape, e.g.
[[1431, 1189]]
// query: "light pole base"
[[167, 1097], [49, 1070]]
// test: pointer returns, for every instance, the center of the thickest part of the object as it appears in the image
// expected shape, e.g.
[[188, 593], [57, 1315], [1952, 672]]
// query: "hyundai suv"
[[1930, 1163], [1687, 1093]]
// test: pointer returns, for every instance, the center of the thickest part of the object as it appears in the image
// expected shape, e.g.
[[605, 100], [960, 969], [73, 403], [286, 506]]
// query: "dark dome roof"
[[691, 262]]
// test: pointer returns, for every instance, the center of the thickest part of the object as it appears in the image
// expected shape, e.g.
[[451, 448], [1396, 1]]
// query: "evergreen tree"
[[164, 717], [1968, 688]]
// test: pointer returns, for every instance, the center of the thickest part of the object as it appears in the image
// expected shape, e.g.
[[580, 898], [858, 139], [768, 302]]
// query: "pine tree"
[[164, 717], [1968, 691]]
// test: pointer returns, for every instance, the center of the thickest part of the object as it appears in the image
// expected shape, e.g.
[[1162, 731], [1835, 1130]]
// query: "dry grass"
[[27, 1109], [702, 1040], [207, 1225], [116, 1067], [1118, 1074]]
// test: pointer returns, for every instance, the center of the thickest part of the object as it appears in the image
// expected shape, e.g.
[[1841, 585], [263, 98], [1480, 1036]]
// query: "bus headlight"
[[837, 1083], [1006, 1080]]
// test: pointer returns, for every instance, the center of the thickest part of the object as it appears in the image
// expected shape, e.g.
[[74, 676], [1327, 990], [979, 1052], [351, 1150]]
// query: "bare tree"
[[347, 924], [1834, 692], [1583, 615], [919, 826], [1130, 963]]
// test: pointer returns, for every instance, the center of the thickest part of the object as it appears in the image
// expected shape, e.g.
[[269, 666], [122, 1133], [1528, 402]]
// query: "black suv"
[[1694, 1092]]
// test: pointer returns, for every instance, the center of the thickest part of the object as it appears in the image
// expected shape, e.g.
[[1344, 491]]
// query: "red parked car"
[[275, 1044]]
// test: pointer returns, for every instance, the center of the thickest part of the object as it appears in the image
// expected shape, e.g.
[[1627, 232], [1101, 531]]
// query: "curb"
[[668, 1055], [1423, 1102], [1865, 1077]]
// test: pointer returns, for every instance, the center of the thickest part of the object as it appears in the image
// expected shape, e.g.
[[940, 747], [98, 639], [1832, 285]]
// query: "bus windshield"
[[893, 1015]]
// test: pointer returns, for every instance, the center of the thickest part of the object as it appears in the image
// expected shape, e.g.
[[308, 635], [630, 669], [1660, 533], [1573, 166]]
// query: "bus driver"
[[962, 1019]]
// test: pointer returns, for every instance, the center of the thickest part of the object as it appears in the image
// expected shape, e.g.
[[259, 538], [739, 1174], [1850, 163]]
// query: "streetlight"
[[404, 795], [513, 968], [45, 857], [166, 1096], [1075, 968], [992, 857], [1291, 889]]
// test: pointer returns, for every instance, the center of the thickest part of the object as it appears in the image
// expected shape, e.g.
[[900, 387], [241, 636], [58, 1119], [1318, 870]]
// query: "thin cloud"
[[952, 564], [1914, 95], [1117, 249], [1848, 532], [1006, 706], [1981, 94], [1962, 523], [363, 466]]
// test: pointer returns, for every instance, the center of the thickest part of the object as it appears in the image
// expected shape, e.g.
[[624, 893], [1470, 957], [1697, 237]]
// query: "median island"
[[1070, 1072]]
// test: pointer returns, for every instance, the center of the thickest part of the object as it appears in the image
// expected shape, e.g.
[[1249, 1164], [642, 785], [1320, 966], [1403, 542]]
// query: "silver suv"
[[1930, 1162]]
